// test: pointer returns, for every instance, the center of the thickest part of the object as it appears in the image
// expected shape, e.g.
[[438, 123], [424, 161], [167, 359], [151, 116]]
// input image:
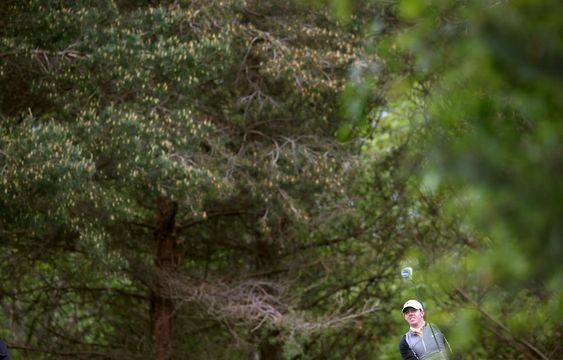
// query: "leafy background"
[[299, 154]]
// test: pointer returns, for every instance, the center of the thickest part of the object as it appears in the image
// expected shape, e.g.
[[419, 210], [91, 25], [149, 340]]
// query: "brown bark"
[[270, 347], [162, 307]]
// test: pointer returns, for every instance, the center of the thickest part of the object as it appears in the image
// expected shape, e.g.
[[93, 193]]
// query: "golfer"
[[423, 341]]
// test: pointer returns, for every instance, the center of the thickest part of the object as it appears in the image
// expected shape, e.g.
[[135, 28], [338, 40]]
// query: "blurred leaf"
[[342, 10], [465, 330]]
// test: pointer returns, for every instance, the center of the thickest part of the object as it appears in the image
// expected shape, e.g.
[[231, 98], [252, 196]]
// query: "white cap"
[[413, 304]]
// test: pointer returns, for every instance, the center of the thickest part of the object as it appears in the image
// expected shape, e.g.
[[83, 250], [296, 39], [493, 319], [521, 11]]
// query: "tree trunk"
[[270, 348], [166, 260]]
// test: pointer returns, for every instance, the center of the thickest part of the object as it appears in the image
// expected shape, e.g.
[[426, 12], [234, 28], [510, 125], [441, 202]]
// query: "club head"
[[406, 272]]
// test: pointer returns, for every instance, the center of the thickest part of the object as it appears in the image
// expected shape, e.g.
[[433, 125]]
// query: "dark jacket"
[[405, 350], [4, 355]]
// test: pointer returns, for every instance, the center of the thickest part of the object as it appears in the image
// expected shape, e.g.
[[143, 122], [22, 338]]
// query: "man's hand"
[[416, 331]]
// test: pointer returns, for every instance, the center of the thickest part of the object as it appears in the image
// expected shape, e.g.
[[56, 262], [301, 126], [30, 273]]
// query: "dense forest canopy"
[[245, 179]]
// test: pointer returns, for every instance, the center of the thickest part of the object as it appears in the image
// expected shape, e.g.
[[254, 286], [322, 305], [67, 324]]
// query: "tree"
[[489, 91], [167, 175]]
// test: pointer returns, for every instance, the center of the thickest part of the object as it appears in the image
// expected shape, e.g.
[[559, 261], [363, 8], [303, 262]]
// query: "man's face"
[[413, 317]]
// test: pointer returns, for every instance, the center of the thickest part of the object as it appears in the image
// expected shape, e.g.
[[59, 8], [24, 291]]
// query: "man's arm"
[[405, 350]]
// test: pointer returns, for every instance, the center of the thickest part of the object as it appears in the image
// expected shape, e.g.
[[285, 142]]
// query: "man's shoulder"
[[434, 327], [403, 341], [405, 350]]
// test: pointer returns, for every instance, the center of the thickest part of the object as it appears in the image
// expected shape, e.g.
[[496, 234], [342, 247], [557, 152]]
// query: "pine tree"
[[158, 162]]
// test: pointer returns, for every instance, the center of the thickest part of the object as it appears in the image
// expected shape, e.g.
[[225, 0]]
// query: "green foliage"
[[448, 161], [465, 330], [490, 100], [226, 109]]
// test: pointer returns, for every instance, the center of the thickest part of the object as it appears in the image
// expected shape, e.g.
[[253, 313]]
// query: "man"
[[423, 340]]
